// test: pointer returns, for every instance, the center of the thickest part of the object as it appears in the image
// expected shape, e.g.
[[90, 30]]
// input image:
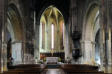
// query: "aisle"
[[53, 71]]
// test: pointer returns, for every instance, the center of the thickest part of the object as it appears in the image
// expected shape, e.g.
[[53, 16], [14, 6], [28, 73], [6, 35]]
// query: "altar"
[[52, 60]]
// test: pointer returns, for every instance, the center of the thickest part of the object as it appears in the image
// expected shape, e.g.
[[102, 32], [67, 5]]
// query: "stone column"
[[17, 52], [4, 56], [101, 36], [87, 52], [109, 41], [3, 46], [102, 53], [106, 53], [109, 53], [1, 20], [67, 44], [37, 52]]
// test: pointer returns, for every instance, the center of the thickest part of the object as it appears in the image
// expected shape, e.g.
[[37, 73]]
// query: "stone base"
[[108, 69]]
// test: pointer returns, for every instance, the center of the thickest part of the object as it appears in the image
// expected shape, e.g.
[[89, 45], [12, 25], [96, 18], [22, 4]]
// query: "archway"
[[15, 32], [52, 33], [97, 47], [90, 34]]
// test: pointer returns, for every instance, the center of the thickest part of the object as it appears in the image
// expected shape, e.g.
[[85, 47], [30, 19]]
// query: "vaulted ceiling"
[[40, 5], [52, 13]]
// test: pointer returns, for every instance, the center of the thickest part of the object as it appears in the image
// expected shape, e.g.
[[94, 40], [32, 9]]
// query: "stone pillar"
[[74, 16], [109, 41], [82, 50], [37, 52], [67, 43], [4, 56], [88, 52], [17, 52], [3, 46], [101, 37], [102, 53], [1, 21], [106, 53], [109, 53]]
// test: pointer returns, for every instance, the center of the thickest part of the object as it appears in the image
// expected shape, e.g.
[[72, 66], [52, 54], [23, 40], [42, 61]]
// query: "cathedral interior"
[[55, 37]]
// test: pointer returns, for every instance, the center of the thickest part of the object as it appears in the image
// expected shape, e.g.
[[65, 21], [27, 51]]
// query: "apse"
[[51, 31]]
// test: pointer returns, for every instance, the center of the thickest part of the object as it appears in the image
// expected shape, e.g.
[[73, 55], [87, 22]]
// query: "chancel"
[[55, 37]]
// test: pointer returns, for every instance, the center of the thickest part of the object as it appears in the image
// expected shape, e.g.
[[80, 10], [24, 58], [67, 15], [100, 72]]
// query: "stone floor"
[[53, 71]]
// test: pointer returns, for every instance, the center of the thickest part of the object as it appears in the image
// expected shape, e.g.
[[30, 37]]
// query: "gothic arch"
[[16, 22], [90, 28], [92, 7], [15, 28], [59, 19]]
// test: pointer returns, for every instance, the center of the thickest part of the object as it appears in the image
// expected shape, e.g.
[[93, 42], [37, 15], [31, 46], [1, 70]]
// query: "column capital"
[[17, 41], [87, 41]]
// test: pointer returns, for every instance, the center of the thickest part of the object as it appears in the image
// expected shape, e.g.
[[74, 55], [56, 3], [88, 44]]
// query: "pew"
[[27, 66], [26, 69], [41, 68], [80, 69]]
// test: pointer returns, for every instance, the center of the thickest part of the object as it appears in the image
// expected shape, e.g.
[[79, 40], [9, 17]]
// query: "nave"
[[56, 37]]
